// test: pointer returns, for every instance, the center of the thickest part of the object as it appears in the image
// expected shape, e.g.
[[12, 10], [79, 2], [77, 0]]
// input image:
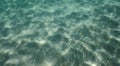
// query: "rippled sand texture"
[[60, 33]]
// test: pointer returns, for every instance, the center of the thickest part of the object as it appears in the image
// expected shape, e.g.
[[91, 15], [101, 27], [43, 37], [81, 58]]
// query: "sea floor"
[[60, 33]]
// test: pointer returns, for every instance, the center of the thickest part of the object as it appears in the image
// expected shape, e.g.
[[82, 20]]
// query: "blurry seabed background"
[[59, 32]]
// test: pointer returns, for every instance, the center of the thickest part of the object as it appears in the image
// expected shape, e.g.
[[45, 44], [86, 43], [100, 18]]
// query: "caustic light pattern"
[[59, 32]]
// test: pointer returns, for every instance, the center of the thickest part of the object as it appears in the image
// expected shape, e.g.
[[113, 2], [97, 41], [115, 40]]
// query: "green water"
[[59, 33]]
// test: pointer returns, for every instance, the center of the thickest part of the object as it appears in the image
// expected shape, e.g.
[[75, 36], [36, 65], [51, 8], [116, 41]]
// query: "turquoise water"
[[59, 33]]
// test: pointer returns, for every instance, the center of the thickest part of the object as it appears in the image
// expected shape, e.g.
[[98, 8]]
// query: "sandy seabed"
[[59, 33]]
